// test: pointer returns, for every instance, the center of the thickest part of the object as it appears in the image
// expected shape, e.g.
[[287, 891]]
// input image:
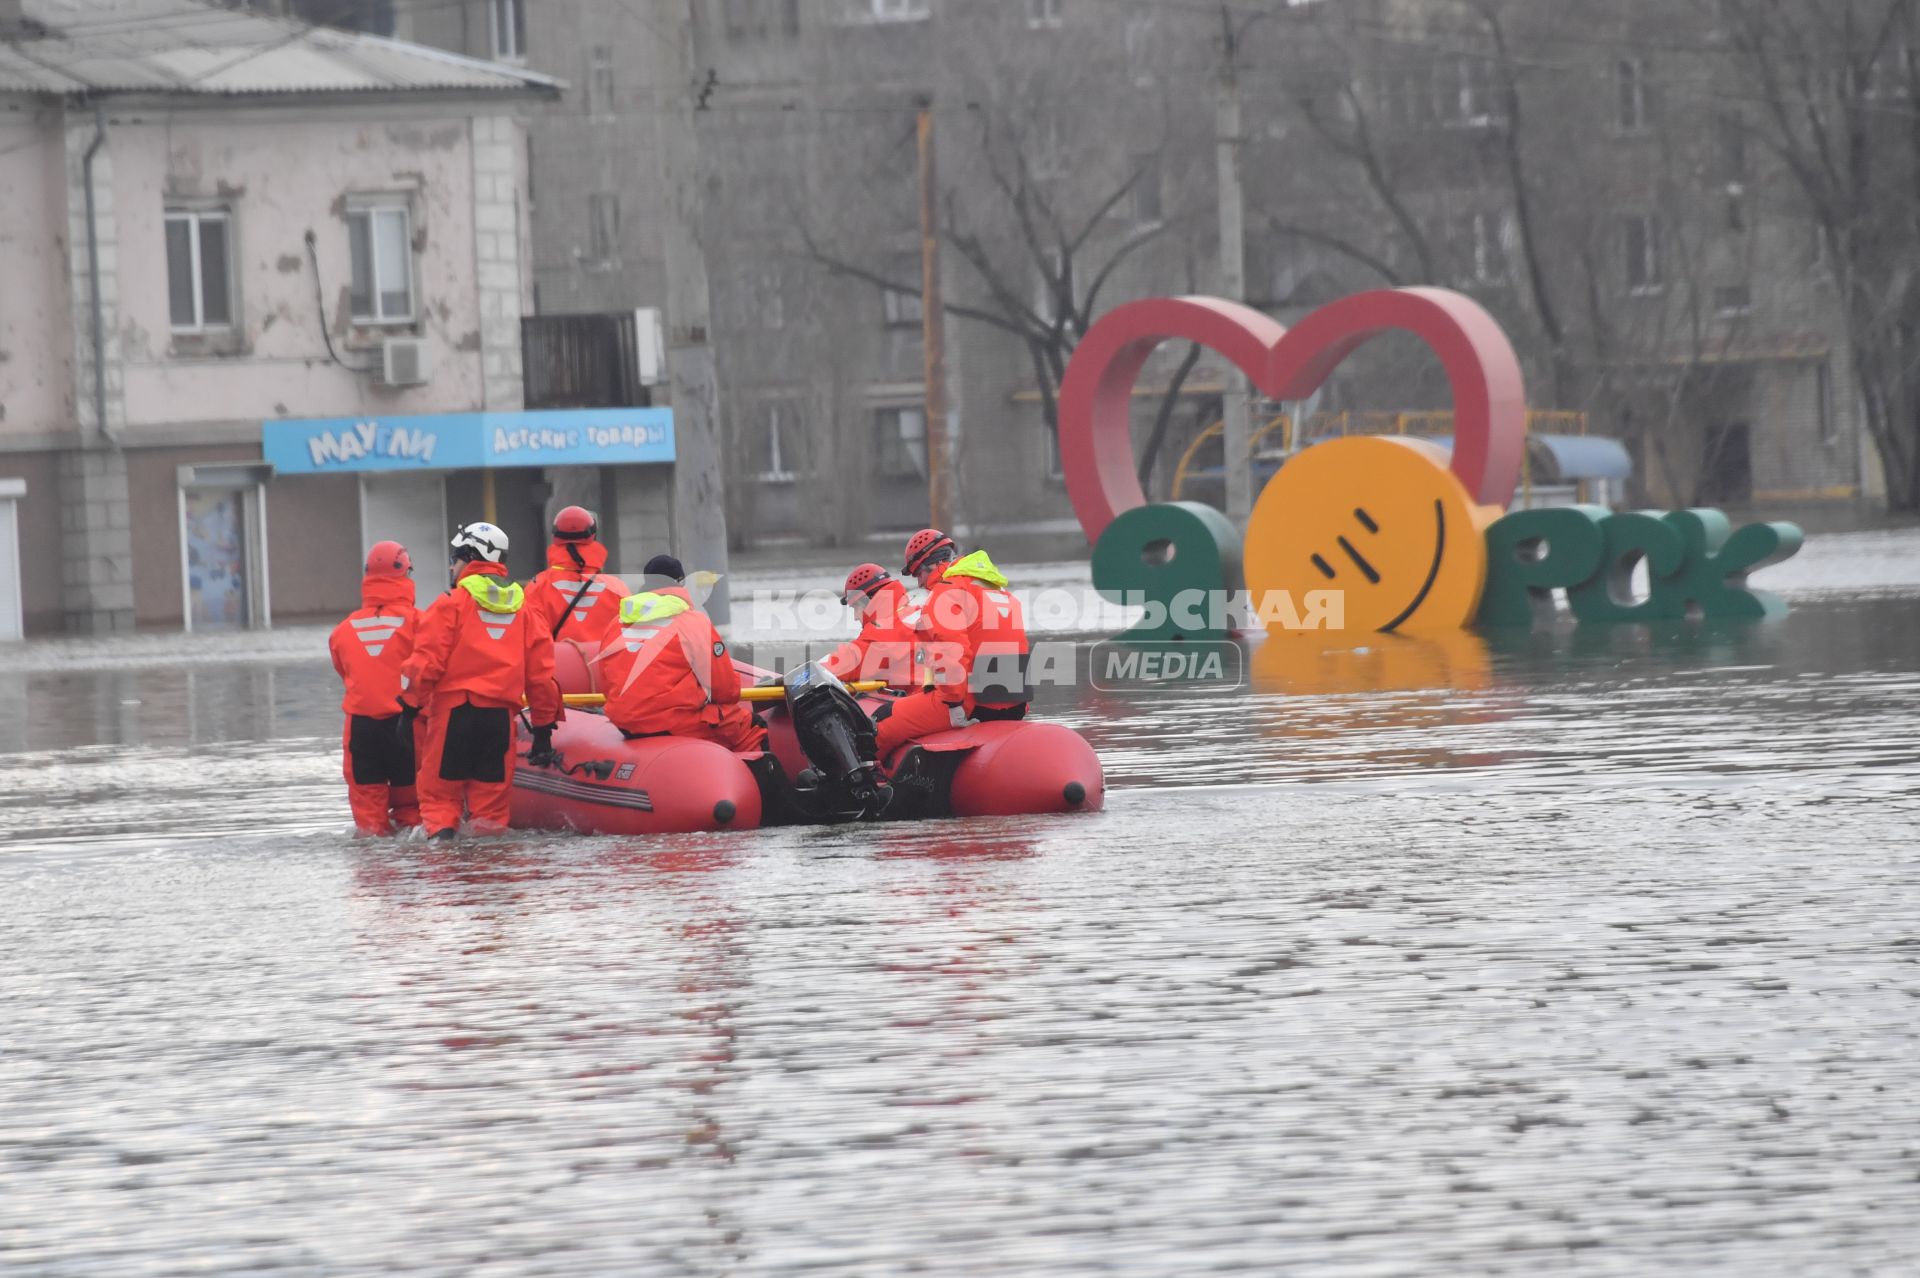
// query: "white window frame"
[[194, 218], [1652, 267], [778, 470], [1044, 15], [1488, 239], [373, 208], [507, 35], [1723, 310]]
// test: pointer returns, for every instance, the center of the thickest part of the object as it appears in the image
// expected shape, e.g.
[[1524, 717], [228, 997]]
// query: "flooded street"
[[1594, 952]]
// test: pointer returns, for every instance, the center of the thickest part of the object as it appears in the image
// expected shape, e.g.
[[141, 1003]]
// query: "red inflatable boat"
[[819, 768]]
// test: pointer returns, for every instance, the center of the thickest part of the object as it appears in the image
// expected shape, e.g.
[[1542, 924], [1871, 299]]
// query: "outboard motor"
[[838, 739]]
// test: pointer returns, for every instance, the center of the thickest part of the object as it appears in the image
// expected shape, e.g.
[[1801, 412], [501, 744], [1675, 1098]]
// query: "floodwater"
[[1596, 952]]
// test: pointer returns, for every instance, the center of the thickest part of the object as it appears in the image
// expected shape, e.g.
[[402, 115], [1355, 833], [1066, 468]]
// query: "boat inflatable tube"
[[607, 784]]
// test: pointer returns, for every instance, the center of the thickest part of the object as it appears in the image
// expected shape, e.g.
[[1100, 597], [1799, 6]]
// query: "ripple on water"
[[1592, 956]]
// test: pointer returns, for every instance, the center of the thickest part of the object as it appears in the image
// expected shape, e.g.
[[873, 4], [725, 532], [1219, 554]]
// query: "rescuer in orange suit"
[[884, 648], [575, 597], [670, 675], [476, 653], [973, 645], [368, 648]]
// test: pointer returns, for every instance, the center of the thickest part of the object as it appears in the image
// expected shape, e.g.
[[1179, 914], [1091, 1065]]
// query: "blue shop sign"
[[469, 441]]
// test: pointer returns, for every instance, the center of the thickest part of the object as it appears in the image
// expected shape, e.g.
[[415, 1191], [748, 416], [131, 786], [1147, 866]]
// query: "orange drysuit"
[[974, 650], [595, 620], [884, 648], [670, 675], [368, 648], [476, 653]]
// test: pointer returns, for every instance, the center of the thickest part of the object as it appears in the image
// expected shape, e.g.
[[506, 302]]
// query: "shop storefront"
[[418, 478]]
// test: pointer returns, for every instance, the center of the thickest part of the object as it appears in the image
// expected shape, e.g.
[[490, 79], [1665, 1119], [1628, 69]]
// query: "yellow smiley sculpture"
[[1382, 521]]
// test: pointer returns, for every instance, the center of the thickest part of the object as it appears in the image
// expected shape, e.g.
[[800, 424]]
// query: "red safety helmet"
[[575, 523], [862, 582], [389, 559], [927, 547]]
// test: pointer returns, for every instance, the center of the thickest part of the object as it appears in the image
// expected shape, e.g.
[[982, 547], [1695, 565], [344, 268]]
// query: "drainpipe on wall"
[[93, 282]]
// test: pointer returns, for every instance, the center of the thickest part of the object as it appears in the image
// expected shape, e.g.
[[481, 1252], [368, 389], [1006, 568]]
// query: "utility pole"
[[933, 333], [699, 485], [1237, 428]]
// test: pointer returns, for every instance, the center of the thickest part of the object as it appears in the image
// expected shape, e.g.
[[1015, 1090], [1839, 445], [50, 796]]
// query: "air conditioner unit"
[[405, 361], [649, 348]]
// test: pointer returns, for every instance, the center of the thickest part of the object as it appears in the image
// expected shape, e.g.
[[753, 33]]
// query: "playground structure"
[[1562, 464]]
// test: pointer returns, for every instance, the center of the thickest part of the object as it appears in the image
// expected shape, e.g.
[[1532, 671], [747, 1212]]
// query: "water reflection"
[[1302, 665]]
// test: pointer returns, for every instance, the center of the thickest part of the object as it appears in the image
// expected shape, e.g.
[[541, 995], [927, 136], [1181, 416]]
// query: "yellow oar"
[[746, 694]]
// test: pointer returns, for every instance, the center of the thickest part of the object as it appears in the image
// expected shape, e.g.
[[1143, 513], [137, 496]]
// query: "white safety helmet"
[[480, 541]]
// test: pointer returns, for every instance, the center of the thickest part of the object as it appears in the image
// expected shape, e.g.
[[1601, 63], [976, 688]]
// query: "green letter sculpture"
[[1630, 538], [1530, 552], [1712, 582], [1163, 551]]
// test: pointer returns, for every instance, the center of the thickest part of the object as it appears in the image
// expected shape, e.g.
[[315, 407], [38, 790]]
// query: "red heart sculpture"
[[1096, 435]]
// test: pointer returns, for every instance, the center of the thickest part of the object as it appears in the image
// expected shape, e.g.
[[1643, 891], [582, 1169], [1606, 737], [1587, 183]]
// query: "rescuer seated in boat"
[[889, 633], [574, 597], [670, 674], [368, 648], [973, 645], [476, 657]]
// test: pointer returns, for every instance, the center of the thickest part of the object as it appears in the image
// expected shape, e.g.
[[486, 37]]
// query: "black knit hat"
[[665, 566]]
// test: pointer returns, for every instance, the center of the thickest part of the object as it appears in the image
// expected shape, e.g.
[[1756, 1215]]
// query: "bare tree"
[[1838, 93]]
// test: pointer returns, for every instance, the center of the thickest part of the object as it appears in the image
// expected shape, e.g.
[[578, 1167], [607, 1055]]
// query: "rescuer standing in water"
[[368, 648], [477, 653]]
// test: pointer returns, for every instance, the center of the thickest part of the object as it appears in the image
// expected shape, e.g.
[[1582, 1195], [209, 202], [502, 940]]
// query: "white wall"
[[36, 356], [281, 177]]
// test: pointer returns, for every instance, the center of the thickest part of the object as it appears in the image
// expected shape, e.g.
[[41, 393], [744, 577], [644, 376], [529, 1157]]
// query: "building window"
[[1049, 148], [1142, 31], [1480, 244], [381, 239], [1732, 301], [758, 295], [1147, 210], [1468, 96], [199, 270], [1730, 146], [1642, 235], [760, 19], [509, 29], [600, 81], [900, 442], [781, 445], [1049, 285], [1634, 96], [603, 226], [1043, 13], [900, 308], [890, 10]]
